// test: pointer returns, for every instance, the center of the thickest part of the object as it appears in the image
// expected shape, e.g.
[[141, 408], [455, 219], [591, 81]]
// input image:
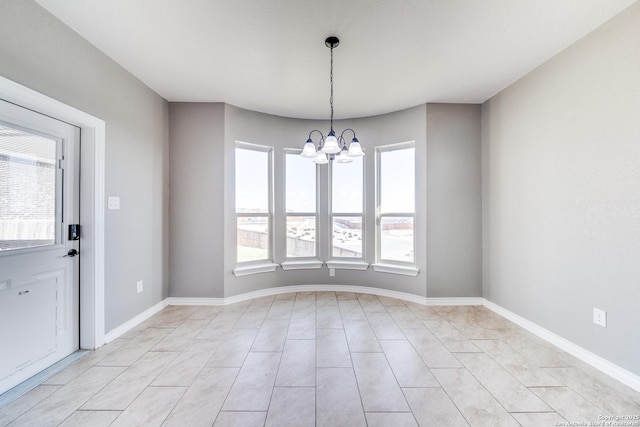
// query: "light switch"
[[113, 202]]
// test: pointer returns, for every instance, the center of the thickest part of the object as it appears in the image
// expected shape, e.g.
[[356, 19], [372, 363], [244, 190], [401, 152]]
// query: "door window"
[[28, 197]]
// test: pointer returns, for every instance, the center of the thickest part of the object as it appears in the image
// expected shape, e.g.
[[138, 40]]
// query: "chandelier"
[[332, 147]]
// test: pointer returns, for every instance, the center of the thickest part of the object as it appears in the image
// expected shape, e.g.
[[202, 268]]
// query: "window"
[[30, 189], [254, 205], [395, 241], [347, 209], [300, 206]]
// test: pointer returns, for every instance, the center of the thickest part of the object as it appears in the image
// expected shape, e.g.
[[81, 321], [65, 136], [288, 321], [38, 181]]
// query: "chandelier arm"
[[321, 143], [316, 130], [348, 129]]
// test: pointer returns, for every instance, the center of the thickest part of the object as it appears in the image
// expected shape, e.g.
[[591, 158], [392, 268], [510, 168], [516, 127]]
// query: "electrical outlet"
[[140, 286], [600, 317], [332, 272]]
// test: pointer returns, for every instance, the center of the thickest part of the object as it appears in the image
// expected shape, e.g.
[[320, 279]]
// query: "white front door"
[[39, 259]]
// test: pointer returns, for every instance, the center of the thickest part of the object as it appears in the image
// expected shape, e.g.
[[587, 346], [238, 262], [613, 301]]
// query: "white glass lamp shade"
[[343, 157], [331, 144], [309, 150], [354, 149], [320, 158]]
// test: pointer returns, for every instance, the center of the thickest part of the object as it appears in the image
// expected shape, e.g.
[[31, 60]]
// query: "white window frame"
[[298, 263], [351, 263], [386, 265], [265, 264]]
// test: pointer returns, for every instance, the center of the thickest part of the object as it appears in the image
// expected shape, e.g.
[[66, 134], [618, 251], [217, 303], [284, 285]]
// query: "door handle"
[[71, 253]]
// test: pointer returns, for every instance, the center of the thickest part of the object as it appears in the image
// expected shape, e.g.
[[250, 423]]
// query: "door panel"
[[39, 284], [32, 311]]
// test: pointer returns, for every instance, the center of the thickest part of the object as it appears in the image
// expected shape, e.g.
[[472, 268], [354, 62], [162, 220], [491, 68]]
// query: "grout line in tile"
[[443, 316]]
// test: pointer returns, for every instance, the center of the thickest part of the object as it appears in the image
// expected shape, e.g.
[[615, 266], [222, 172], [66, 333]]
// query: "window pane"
[[253, 238], [27, 189], [301, 236], [300, 184], [396, 239], [347, 236], [347, 187], [252, 180], [397, 180]]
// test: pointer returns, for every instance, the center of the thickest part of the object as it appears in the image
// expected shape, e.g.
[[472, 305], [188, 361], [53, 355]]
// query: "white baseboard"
[[628, 378], [132, 323], [455, 301], [195, 301]]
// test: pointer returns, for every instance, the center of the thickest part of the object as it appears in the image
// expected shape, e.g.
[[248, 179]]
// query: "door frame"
[[92, 197]]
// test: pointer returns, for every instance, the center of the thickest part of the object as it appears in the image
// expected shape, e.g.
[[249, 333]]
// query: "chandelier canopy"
[[332, 147]]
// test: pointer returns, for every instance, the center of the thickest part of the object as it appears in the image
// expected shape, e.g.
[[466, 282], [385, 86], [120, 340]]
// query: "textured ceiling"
[[269, 55]]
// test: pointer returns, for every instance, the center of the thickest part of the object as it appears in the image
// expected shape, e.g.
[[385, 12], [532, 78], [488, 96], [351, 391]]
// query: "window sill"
[[348, 265], [301, 265], [396, 269], [254, 269]]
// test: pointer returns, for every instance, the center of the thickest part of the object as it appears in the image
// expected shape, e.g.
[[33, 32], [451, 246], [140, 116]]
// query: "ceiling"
[[269, 55]]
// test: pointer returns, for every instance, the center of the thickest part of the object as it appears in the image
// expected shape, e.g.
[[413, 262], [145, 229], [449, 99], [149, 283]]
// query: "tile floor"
[[324, 359]]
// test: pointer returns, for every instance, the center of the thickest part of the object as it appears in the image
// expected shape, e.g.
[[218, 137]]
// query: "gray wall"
[[38, 51], [203, 233], [196, 159], [561, 192], [454, 205]]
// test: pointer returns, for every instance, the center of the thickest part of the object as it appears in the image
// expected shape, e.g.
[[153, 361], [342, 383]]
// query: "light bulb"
[[343, 157], [320, 158], [354, 149], [309, 150], [331, 144]]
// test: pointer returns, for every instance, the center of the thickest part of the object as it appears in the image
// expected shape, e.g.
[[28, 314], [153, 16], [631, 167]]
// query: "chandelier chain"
[[331, 80]]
